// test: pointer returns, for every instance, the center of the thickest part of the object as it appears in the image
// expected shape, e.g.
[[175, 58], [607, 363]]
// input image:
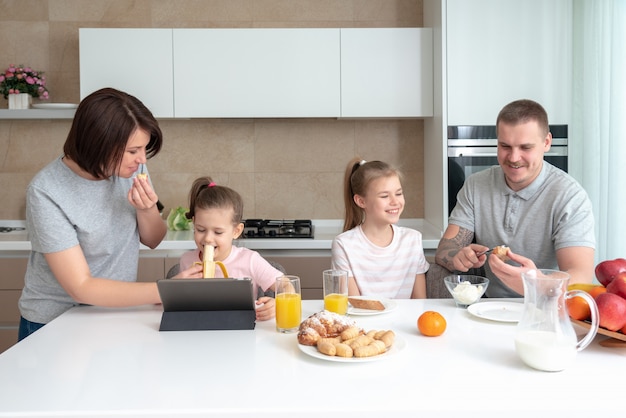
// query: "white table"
[[115, 362]]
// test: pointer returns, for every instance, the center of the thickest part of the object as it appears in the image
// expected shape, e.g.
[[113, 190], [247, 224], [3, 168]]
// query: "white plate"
[[389, 304], [398, 345], [497, 311], [55, 106]]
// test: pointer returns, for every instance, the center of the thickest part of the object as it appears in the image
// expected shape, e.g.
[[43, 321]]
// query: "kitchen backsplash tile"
[[284, 168], [33, 144], [110, 11]]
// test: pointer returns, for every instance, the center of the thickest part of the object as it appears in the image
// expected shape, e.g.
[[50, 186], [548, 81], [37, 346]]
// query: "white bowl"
[[465, 288]]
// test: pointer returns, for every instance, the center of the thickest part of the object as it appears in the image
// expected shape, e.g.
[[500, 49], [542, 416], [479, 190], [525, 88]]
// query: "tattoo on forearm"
[[449, 247]]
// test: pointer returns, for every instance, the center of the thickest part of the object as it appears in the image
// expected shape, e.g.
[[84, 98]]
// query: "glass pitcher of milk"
[[545, 338]]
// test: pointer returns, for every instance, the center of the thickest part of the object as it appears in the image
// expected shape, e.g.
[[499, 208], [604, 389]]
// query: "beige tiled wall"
[[284, 168]]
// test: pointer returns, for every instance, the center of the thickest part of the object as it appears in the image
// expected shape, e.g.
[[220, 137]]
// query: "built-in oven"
[[474, 148]]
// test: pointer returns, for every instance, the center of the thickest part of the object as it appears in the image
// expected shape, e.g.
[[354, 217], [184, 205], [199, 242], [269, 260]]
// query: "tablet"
[[178, 295]]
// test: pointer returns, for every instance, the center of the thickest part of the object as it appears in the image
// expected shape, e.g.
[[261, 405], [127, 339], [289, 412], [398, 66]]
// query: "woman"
[[86, 213]]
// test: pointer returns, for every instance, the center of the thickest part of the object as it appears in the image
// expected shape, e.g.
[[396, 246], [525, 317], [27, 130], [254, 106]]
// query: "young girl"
[[217, 213], [382, 259]]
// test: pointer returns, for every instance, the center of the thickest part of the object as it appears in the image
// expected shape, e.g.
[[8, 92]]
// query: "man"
[[540, 212]]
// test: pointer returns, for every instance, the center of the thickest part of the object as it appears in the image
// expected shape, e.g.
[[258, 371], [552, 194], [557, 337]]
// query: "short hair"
[[522, 111], [102, 125]]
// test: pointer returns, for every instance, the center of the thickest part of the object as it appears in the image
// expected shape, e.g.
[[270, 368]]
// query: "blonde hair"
[[205, 194], [358, 177]]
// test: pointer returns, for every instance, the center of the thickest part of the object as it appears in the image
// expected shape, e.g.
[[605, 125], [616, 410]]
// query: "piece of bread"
[[142, 176], [500, 251], [323, 324], [370, 304]]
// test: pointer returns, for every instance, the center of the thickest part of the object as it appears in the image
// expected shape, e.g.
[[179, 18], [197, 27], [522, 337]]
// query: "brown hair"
[[101, 127], [205, 194], [359, 175], [522, 111]]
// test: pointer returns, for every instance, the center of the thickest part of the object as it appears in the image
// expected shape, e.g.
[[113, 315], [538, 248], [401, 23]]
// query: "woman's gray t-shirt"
[[64, 210]]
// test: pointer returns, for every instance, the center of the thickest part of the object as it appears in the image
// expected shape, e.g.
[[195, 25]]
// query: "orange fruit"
[[431, 324], [578, 308], [597, 290]]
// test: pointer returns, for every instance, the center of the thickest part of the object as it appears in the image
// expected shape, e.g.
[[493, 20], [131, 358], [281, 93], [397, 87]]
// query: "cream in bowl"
[[466, 289]]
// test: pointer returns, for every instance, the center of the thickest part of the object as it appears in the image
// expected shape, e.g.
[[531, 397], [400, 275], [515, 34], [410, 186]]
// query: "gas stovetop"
[[269, 228]]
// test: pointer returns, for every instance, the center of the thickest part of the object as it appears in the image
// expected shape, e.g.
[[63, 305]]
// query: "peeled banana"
[[208, 265]]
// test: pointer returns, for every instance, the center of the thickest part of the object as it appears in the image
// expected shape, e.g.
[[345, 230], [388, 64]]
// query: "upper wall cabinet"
[[256, 73], [137, 61], [386, 72], [264, 73], [503, 50]]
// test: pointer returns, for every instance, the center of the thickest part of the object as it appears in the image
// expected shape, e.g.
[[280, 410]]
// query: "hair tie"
[[211, 184], [362, 162]]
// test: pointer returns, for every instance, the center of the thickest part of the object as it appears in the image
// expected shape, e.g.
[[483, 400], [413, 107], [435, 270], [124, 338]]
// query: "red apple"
[[618, 285], [612, 310], [608, 269]]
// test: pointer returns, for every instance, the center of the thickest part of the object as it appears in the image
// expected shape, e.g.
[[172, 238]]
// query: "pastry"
[[370, 304], [500, 251], [363, 345], [375, 348], [323, 324]]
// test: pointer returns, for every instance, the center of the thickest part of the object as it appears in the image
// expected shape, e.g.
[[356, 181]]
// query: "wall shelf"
[[37, 113]]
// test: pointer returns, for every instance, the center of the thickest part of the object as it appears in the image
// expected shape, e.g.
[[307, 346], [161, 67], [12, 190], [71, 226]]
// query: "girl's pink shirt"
[[241, 262]]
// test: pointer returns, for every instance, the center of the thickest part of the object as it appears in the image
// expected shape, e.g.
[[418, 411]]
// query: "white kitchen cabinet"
[[137, 61], [503, 50], [256, 73], [386, 72], [264, 73]]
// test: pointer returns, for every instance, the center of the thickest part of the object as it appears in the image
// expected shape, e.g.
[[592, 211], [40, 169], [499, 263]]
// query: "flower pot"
[[20, 101]]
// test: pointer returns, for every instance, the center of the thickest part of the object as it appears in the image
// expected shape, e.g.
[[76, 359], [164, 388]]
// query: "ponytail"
[[205, 194]]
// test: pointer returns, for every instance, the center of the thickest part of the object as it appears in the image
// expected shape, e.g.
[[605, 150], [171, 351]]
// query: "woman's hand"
[[141, 194], [265, 308], [142, 197]]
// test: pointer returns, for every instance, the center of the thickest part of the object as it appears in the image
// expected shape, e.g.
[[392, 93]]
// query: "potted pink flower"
[[24, 81]]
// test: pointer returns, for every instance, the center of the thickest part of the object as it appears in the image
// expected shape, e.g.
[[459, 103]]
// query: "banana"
[[581, 286], [208, 265]]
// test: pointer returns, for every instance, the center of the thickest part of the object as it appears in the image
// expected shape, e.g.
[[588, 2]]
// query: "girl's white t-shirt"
[[381, 271]]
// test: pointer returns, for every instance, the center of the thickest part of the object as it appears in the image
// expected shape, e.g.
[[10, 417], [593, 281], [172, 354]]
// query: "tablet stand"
[[208, 320]]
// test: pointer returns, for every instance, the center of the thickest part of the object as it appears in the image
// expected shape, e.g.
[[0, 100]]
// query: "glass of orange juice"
[[336, 291], [288, 304]]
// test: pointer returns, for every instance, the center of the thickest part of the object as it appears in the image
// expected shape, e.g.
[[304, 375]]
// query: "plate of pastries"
[[328, 336]]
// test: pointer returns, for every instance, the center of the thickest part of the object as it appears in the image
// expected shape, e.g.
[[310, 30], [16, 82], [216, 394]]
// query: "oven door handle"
[[455, 152]]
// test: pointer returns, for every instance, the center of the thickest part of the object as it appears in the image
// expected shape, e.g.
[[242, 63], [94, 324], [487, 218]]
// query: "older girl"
[[382, 259]]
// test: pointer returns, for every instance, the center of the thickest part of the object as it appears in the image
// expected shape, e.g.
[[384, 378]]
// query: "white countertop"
[[324, 232], [115, 363]]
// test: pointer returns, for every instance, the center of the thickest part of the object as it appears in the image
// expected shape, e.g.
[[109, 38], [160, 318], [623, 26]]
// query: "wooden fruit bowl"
[[617, 338]]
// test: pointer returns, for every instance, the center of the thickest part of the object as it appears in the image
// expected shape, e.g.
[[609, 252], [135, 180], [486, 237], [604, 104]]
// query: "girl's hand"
[[265, 308], [193, 272], [141, 194]]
